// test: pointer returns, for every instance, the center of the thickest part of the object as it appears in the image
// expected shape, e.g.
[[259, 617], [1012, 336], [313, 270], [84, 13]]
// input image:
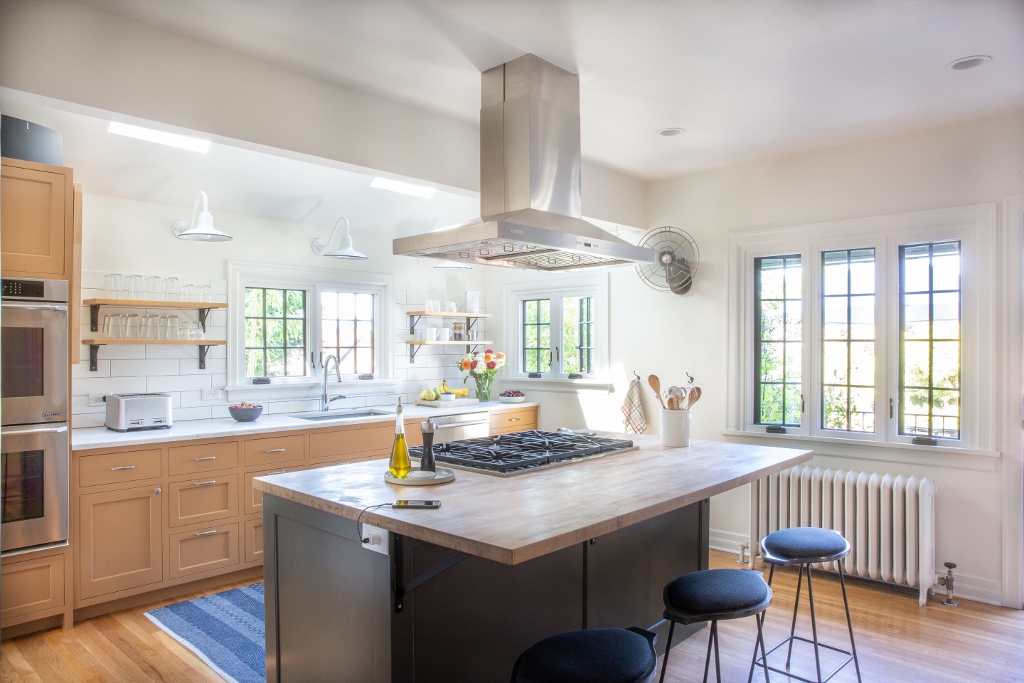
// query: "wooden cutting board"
[[448, 404]]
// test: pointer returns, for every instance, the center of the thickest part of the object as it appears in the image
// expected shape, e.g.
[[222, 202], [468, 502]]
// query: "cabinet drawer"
[[356, 442], [513, 420], [275, 449], [205, 457], [33, 586], [201, 500], [254, 540], [113, 468], [203, 550], [252, 500]]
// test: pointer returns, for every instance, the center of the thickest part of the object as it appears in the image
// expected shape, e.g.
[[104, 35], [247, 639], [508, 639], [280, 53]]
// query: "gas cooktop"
[[520, 452]]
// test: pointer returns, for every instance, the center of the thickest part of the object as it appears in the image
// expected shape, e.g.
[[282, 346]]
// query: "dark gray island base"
[[456, 594], [340, 613]]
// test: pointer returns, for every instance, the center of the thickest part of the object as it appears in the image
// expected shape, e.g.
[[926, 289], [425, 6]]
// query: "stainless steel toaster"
[[129, 412]]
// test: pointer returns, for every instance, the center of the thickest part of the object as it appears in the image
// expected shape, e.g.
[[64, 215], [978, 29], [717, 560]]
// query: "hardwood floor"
[[897, 641]]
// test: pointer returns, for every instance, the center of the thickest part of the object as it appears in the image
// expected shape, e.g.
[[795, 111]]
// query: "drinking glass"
[[161, 327], [113, 286], [110, 326], [188, 293], [205, 293], [133, 287], [171, 289], [154, 288], [173, 327], [133, 329]]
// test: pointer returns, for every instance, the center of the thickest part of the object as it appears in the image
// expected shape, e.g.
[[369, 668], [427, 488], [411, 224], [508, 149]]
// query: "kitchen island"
[[455, 594]]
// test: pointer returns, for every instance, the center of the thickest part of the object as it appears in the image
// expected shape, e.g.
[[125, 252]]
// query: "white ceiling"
[[240, 181], [746, 78]]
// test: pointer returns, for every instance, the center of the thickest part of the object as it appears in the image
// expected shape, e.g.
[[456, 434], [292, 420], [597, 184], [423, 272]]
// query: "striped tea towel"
[[633, 410]]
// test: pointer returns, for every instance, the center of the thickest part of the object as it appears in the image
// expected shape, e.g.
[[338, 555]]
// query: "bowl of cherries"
[[245, 412], [512, 396]]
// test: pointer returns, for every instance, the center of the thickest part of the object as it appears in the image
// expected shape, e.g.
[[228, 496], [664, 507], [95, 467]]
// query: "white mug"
[[451, 307], [433, 305], [430, 333], [445, 333]]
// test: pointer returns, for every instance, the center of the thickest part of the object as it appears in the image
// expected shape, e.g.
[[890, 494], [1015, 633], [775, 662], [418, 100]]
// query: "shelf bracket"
[[413, 350], [413, 320], [203, 313], [94, 317], [203, 349], [94, 353]]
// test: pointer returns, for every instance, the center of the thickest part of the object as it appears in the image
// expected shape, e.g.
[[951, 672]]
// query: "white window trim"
[[554, 285], [975, 227], [313, 280]]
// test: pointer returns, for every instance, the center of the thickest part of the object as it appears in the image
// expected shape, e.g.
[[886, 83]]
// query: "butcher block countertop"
[[518, 518]]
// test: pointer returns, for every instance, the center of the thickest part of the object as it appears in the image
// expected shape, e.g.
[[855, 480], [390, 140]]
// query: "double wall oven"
[[34, 413]]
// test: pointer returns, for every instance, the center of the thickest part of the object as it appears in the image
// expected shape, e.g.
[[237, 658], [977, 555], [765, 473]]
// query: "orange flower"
[[465, 365], [499, 355], [488, 358]]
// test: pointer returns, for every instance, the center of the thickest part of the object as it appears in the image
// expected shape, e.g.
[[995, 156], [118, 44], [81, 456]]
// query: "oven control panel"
[[35, 289]]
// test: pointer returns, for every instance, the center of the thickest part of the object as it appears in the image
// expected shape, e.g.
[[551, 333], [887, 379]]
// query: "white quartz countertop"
[[100, 437]]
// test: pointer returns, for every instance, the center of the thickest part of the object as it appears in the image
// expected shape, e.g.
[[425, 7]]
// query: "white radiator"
[[889, 521]]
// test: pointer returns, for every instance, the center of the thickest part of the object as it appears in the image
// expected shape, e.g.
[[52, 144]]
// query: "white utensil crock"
[[675, 428]]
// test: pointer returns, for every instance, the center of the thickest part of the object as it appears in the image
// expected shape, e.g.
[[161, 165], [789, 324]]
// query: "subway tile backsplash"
[[175, 369]]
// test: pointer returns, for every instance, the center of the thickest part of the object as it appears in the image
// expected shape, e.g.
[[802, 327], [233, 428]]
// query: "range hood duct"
[[529, 181]]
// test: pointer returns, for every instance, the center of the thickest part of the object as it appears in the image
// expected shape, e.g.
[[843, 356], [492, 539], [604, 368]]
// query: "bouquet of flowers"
[[482, 367]]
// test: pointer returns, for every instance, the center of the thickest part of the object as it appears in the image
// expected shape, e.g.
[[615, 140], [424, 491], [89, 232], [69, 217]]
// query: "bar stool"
[[713, 595], [598, 655], [805, 546]]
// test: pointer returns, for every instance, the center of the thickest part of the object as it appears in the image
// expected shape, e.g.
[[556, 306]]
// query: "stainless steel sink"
[[342, 415]]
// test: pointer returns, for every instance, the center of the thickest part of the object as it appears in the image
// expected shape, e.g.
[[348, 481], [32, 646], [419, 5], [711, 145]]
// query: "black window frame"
[[758, 383]]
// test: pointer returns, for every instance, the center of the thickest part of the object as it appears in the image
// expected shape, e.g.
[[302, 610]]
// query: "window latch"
[[890, 408], [803, 406]]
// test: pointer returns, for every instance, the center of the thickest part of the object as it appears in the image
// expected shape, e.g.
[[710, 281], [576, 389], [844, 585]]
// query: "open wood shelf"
[[448, 314], [203, 344], [145, 303], [415, 344]]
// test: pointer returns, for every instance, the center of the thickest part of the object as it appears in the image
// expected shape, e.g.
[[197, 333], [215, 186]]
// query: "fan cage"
[[676, 242]]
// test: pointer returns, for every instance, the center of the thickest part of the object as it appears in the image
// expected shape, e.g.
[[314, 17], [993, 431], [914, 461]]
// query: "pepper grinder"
[[427, 463]]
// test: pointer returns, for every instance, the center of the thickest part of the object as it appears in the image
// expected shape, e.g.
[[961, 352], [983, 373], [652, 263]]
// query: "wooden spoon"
[[693, 397], [656, 385]]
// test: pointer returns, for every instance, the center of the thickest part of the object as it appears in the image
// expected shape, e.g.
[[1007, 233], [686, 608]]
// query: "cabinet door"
[[119, 533], [33, 221], [195, 552], [31, 586]]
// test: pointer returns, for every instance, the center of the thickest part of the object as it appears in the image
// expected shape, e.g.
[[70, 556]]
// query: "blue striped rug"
[[225, 630]]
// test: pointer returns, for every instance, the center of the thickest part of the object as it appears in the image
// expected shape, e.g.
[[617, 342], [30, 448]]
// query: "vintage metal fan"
[[678, 258]]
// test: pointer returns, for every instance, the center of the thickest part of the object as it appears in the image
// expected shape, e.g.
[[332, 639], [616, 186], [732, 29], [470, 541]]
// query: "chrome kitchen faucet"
[[325, 400]]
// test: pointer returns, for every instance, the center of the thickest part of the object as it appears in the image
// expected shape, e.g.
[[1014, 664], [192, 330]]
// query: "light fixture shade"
[[203, 230], [345, 250]]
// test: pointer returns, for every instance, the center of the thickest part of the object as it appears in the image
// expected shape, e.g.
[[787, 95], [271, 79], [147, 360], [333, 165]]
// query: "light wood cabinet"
[[31, 586], [252, 500], [119, 539], [253, 540], [275, 449], [203, 550], [195, 501], [207, 457], [118, 468], [518, 420], [37, 227]]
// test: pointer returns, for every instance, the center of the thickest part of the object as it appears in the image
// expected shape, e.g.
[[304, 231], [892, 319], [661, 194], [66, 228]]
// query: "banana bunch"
[[443, 388]]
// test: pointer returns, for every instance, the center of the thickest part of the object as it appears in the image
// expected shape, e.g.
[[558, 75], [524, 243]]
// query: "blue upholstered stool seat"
[[804, 543], [716, 591], [600, 655]]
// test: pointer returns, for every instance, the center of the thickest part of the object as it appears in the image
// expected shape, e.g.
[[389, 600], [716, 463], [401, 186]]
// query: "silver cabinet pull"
[[513, 419], [270, 473], [208, 457], [275, 450], [122, 467], [205, 483], [157, 491], [207, 533]]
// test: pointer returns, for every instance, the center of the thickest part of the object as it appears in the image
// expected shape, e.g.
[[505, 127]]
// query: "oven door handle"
[[34, 306], [32, 430], [453, 425]]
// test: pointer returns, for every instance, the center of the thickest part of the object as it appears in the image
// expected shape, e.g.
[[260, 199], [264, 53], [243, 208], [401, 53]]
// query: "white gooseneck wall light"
[[345, 251], [201, 230]]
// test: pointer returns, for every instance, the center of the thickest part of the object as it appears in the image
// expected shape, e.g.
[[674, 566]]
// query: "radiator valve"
[[743, 554], [947, 581]]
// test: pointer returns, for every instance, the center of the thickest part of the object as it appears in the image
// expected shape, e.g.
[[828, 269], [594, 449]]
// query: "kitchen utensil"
[[133, 329], [133, 287], [675, 395], [427, 463], [188, 293], [170, 289], [693, 397], [154, 290], [205, 293], [173, 327], [451, 307], [113, 286], [675, 428], [656, 385], [430, 333], [444, 334], [458, 331]]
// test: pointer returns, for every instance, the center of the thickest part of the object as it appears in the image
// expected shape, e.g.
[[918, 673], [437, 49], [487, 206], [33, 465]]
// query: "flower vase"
[[483, 388]]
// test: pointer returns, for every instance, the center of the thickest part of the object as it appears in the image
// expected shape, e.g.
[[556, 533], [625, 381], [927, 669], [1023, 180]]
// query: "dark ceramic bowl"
[[245, 414]]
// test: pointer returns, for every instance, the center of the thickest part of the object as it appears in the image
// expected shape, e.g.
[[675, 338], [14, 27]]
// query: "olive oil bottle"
[[399, 465]]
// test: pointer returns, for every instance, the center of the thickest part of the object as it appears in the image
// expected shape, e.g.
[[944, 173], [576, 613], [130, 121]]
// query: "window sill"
[[932, 456], [285, 390], [557, 385]]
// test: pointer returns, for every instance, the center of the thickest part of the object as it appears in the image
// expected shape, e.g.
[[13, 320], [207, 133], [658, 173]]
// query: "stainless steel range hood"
[[529, 181]]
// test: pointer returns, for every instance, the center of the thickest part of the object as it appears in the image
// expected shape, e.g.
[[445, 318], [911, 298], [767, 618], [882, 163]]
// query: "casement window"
[[284, 322], [866, 331], [560, 327]]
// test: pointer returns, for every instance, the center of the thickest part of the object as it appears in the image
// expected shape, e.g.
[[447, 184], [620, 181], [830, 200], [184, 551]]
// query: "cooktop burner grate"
[[521, 451]]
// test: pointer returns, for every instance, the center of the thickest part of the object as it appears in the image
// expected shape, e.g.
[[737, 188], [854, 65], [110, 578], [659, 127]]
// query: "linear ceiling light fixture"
[[403, 188], [159, 136], [345, 250], [201, 230]]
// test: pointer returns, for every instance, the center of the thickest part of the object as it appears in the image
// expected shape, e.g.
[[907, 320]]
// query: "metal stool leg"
[[668, 648], [707, 661], [814, 625], [849, 623], [760, 623], [796, 606], [718, 663], [759, 618]]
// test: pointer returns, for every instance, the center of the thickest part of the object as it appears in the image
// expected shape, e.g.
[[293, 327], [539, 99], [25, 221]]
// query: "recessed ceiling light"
[[403, 188], [669, 132], [968, 62], [159, 136]]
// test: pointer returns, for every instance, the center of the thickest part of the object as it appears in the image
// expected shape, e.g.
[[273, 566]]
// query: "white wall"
[[125, 236], [972, 163]]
